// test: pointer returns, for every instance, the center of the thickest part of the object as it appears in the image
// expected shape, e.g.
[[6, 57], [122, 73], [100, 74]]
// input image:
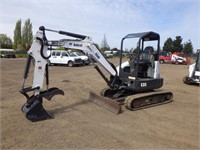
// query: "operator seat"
[[146, 61]]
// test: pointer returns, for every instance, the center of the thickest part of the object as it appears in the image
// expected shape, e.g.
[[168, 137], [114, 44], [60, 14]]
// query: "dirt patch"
[[79, 124]]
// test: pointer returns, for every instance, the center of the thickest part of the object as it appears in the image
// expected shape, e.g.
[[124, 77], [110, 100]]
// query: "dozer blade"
[[109, 104]]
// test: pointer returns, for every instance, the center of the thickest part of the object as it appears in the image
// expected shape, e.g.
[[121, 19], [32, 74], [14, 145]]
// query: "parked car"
[[175, 58], [165, 57], [64, 57], [7, 53], [84, 58]]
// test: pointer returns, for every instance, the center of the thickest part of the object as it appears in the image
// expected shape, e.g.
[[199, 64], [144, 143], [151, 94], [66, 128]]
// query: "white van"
[[84, 58], [64, 57]]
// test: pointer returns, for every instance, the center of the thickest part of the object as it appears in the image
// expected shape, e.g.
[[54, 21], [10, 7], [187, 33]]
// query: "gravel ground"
[[79, 124]]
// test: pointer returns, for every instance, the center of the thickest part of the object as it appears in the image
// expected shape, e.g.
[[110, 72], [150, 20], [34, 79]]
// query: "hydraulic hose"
[[41, 49], [28, 63]]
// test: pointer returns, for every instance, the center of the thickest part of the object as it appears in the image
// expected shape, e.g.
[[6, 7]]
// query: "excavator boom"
[[33, 108]]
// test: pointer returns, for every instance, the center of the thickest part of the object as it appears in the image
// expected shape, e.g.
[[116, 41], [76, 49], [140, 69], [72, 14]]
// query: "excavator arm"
[[33, 108], [85, 44]]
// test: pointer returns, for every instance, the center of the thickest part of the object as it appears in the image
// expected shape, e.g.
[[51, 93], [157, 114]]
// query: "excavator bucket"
[[109, 104], [34, 109]]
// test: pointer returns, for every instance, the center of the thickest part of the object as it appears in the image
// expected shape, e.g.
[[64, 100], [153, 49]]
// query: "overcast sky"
[[114, 18]]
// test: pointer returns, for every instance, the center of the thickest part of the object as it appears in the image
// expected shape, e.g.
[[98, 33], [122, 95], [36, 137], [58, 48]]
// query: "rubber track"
[[149, 97]]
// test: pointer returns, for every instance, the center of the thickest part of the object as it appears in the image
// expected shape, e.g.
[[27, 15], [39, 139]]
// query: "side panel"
[[157, 70], [145, 84]]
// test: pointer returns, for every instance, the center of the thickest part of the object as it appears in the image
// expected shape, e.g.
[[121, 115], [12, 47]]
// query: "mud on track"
[[79, 124]]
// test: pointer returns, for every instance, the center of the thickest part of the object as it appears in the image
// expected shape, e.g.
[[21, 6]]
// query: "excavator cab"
[[139, 77], [141, 72]]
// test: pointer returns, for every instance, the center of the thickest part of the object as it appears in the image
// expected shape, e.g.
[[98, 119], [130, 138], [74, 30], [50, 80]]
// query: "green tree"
[[168, 45], [5, 41], [178, 47], [188, 48], [104, 44], [27, 35], [17, 35]]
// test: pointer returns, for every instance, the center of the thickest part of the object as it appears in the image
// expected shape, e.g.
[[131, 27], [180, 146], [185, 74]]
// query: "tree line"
[[23, 38], [176, 45], [169, 46]]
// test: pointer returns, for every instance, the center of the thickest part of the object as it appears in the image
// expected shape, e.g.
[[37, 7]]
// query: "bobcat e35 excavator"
[[131, 84]]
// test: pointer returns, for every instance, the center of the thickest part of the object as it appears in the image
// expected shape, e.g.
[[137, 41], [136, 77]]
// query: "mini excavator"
[[131, 84]]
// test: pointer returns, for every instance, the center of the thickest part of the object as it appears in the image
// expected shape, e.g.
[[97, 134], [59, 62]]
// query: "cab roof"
[[145, 36]]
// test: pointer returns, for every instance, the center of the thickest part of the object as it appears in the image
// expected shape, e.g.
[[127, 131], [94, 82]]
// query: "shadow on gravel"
[[69, 107]]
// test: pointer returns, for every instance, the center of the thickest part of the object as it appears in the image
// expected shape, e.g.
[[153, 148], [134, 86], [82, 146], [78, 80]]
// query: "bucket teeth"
[[106, 103]]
